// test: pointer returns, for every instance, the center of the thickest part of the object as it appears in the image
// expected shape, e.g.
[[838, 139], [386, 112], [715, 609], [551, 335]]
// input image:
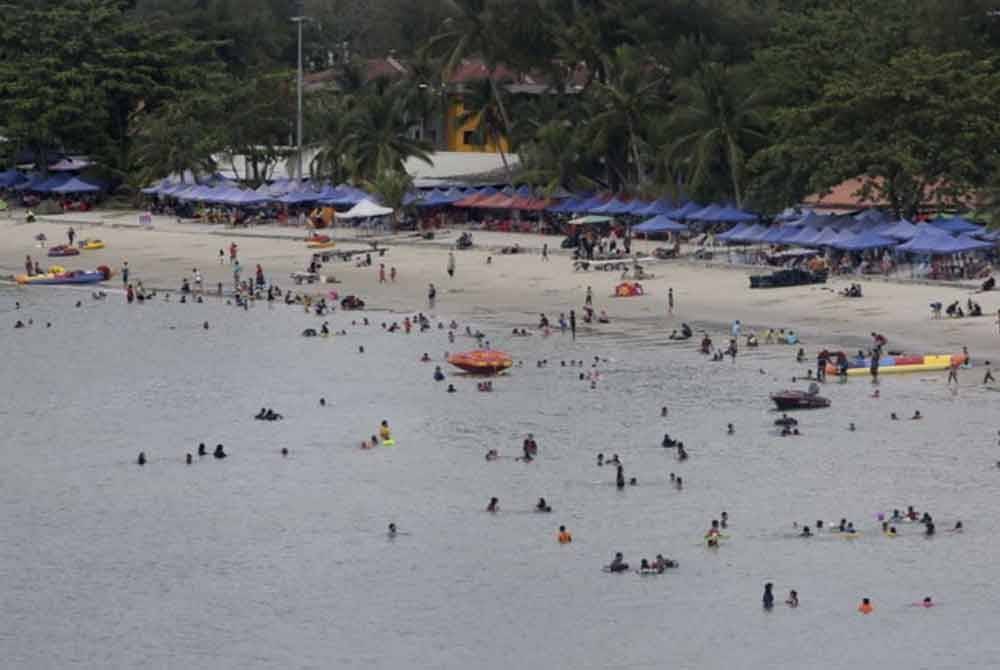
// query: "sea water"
[[260, 561]]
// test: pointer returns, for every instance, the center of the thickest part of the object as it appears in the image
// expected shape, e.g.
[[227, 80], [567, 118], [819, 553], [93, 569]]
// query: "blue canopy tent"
[[825, 238], [802, 237], [684, 212], [563, 207], [956, 225], [523, 191], [814, 220], [749, 234], [656, 208], [733, 215], [612, 207], [246, 198], [10, 178], [659, 224], [863, 241], [52, 182], [585, 206], [30, 184], [989, 235], [872, 217], [636, 206], [787, 234], [734, 232], [937, 245], [901, 230], [704, 214], [75, 185]]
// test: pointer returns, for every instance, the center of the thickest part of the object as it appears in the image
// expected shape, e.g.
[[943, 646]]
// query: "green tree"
[[257, 124], [554, 159], [621, 106], [482, 103], [718, 124], [79, 75], [377, 136], [392, 187]]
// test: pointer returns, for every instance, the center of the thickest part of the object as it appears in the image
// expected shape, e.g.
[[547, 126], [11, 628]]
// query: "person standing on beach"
[[381, 273], [232, 253], [431, 296], [589, 300], [71, 235], [125, 273], [670, 301], [988, 377], [29, 268], [545, 252], [197, 279], [451, 264], [953, 374], [222, 257], [572, 323], [392, 274]]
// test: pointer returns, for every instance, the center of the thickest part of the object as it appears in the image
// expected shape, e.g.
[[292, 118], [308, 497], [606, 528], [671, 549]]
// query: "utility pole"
[[300, 19]]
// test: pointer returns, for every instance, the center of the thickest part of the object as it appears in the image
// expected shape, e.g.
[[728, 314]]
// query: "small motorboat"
[[788, 400], [90, 245], [64, 250]]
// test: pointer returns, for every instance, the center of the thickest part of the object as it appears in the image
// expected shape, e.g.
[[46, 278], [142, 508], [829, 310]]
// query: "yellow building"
[[462, 137]]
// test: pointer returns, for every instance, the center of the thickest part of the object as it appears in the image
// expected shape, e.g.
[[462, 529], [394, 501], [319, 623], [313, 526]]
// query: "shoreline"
[[515, 289]]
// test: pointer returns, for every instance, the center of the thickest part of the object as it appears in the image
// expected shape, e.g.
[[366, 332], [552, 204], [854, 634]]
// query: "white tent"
[[366, 209]]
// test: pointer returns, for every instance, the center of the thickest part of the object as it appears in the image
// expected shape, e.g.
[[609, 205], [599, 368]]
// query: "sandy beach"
[[516, 289]]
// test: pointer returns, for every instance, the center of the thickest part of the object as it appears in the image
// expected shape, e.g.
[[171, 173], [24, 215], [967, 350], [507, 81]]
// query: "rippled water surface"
[[265, 562]]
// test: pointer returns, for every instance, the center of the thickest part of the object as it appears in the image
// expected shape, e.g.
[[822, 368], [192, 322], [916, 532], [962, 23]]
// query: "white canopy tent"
[[366, 209]]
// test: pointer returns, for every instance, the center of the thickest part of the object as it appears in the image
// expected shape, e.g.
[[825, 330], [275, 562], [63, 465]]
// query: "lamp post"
[[299, 20]]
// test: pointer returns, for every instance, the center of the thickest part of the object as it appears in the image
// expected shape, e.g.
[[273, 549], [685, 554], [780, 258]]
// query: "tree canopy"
[[755, 102]]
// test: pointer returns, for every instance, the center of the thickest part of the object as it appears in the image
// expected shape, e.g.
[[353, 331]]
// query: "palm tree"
[[328, 115], [719, 121], [554, 159], [376, 136], [392, 187], [474, 30], [482, 106], [632, 92]]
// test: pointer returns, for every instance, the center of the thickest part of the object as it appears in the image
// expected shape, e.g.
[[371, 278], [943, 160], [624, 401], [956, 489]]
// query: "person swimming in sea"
[[668, 442], [793, 598], [768, 598], [730, 430], [384, 432], [219, 452], [620, 478], [916, 416], [494, 505], [724, 519], [201, 449], [492, 455], [451, 389], [618, 563], [392, 530], [142, 458], [542, 506], [682, 454], [805, 532]]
